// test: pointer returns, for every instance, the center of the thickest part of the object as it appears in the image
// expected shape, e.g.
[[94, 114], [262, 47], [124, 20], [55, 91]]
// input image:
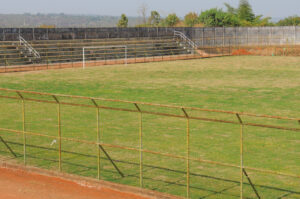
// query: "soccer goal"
[[95, 50]]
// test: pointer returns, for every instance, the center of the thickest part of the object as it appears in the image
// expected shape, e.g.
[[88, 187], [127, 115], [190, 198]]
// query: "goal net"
[[97, 53]]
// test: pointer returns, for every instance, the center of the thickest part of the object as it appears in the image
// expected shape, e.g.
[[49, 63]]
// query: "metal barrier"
[[186, 114]]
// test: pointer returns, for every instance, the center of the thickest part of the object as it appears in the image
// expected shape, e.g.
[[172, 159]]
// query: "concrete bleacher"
[[61, 51]]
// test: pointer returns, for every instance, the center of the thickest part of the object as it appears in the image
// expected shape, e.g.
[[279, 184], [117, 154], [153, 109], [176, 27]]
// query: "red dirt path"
[[17, 184], [34, 67]]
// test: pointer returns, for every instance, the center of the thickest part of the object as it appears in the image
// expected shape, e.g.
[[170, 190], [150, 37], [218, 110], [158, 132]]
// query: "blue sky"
[[272, 8]]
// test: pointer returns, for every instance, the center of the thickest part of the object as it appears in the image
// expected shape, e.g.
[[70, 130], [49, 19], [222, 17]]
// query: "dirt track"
[[34, 67], [17, 184]]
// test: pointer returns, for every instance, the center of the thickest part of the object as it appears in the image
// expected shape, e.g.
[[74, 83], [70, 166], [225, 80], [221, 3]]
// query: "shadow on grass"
[[81, 169]]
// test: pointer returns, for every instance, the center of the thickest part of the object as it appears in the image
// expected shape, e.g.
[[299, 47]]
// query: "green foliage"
[[245, 16], [171, 20], [230, 9], [142, 25], [245, 11], [262, 21], [123, 22], [217, 18], [191, 19], [162, 23], [154, 18], [290, 21]]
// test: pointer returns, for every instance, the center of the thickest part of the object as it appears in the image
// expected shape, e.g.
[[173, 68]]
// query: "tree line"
[[241, 16]]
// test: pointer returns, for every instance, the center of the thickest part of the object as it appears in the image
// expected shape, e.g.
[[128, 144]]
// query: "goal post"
[[85, 49]]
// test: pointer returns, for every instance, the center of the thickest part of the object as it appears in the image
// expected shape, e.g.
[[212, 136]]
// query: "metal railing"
[[140, 108], [187, 40], [28, 47]]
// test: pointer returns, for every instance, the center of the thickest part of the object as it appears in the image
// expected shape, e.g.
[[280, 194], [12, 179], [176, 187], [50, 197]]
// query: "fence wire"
[[186, 151]]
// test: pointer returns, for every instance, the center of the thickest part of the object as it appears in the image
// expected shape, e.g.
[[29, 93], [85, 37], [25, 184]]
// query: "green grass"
[[262, 85]]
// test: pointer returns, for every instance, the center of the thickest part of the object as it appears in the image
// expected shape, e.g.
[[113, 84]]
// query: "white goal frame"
[[103, 47]]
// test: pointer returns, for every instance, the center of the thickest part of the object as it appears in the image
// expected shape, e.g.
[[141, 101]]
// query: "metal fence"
[[144, 135], [247, 36], [143, 44], [275, 35]]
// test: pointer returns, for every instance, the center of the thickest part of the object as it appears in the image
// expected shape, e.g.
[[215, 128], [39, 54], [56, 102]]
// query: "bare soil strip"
[[34, 67], [18, 182]]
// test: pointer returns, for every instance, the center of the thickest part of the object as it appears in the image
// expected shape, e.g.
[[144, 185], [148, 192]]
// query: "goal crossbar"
[[102, 47]]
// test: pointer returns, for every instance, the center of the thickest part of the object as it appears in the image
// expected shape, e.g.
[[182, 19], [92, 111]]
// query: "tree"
[[154, 19], [143, 12], [290, 21], [123, 22], [171, 20], [262, 21], [245, 11], [191, 19], [245, 16], [217, 17], [230, 9]]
